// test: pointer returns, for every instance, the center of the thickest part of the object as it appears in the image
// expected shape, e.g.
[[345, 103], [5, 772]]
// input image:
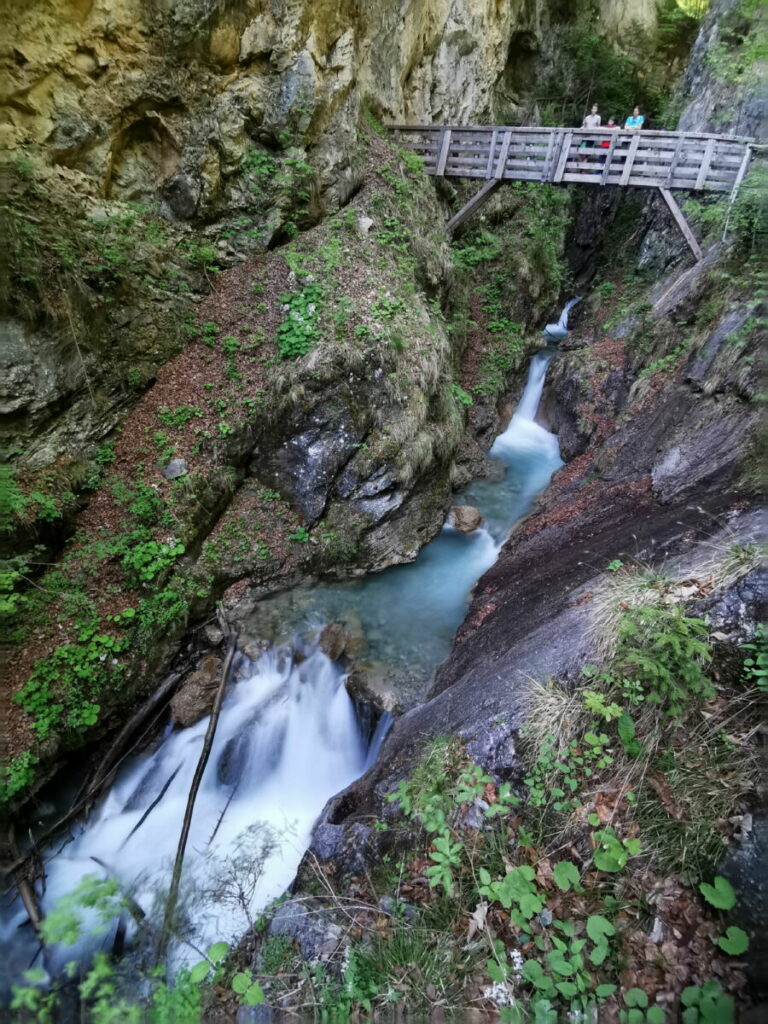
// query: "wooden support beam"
[[474, 203], [681, 222], [565, 147], [442, 160], [502, 162], [704, 168], [630, 159]]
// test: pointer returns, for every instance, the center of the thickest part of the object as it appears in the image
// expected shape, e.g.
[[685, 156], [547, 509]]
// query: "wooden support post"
[[675, 161], [474, 203], [502, 161], [681, 222], [736, 185], [704, 169], [565, 148], [630, 159], [491, 154], [608, 158], [445, 145], [545, 170]]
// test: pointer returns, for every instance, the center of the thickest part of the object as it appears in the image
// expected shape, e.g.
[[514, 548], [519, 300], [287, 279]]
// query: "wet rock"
[[465, 518], [175, 468], [181, 195], [311, 927], [736, 612], [261, 1014], [348, 846], [746, 867], [213, 635], [195, 697], [333, 640], [372, 684]]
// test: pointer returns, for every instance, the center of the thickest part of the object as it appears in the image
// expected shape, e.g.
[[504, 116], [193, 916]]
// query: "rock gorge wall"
[[140, 101]]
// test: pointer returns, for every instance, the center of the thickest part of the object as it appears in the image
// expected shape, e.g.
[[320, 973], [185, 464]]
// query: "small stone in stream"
[[333, 640], [175, 468], [213, 635], [194, 698], [465, 518]]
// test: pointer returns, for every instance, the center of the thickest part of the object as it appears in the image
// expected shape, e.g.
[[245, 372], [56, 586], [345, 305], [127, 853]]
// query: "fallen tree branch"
[[173, 892]]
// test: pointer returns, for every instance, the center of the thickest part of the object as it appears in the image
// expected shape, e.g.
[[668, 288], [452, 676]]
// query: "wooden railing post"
[[608, 158], [709, 151], [565, 148], [491, 154], [630, 159]]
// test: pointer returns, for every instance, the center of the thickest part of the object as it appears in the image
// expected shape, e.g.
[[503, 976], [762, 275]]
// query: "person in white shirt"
[[592, 119]]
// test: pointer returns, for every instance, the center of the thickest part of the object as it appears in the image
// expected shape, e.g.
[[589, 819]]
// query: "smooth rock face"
[[465, 518], [175, 469], [195, 697]]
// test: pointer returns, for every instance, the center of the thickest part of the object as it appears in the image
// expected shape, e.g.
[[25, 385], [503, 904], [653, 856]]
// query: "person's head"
[[594, 108], [636, 112], [611, 122]]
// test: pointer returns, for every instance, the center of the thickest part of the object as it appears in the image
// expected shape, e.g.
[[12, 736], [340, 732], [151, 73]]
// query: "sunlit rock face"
[[135, 101]]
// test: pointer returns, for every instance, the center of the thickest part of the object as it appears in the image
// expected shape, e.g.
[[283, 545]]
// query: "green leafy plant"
[[706, 1004], [734, 942], [299, 329], [719, 894]]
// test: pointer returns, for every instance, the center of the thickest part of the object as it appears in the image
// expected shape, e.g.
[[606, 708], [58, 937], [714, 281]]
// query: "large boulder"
[[465, 518], [194, 698]]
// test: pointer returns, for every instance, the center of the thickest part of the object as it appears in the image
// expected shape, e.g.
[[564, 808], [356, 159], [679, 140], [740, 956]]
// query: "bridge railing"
[[654, 159]]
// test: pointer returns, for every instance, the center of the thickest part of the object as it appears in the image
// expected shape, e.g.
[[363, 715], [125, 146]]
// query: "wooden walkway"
[[662, 160]]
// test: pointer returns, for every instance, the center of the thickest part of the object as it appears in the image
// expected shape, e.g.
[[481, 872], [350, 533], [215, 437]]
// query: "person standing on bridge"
[[592, 119], [635, 121]]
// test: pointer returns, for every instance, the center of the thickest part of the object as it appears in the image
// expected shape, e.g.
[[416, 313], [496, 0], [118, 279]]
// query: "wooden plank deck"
[[670, 160]]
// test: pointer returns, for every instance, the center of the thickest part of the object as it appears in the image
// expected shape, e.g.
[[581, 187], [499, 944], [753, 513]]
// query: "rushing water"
[[288, 737]]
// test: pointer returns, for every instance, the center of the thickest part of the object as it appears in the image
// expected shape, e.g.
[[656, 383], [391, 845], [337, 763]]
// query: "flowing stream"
[[289, 736]]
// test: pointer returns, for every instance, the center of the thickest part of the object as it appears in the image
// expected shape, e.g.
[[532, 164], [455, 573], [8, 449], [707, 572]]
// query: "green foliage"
[[178, 417], [483, 247], [719, 894], [299, 329], [145, 560], [566, 875], [706, 1004], [756, 661], [461, 396], [734, 942], [301, 535], [662, 649], [611, 852], [17, 774], [61, 688]]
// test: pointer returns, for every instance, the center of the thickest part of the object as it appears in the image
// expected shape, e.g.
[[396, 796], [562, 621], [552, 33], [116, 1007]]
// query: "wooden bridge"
[[603, 156]]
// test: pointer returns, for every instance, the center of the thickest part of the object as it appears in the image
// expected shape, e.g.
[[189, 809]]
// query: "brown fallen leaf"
[[664, 793]]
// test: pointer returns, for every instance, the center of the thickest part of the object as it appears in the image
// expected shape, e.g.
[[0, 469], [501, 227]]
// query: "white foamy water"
[[287, 739]]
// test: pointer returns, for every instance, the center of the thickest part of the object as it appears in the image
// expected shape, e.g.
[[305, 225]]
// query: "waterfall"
[[529, 403], [288, 739]]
